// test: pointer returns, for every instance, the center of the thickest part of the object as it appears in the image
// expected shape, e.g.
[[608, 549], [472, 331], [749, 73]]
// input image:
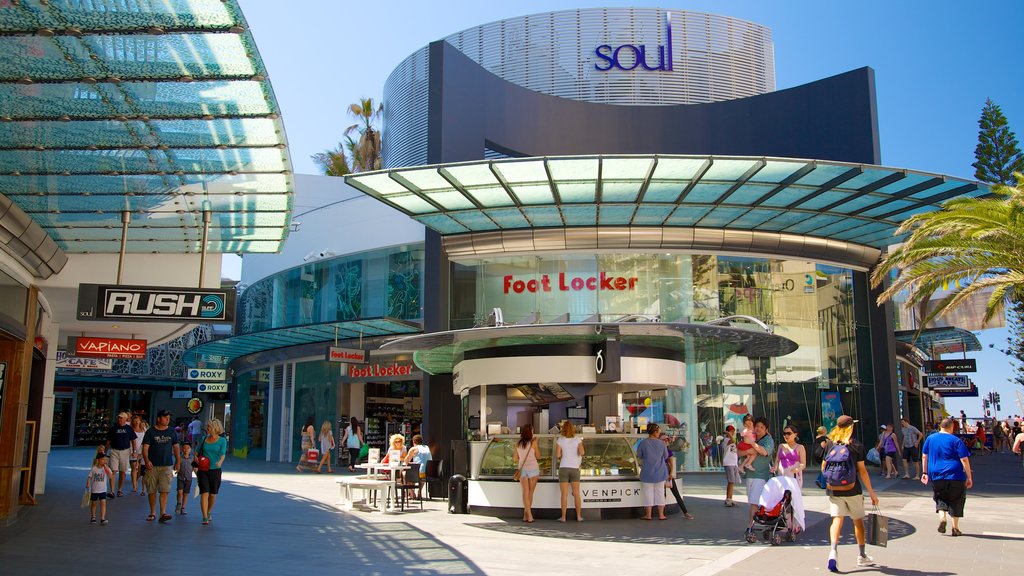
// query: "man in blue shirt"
[[946, 461], [161, 453]]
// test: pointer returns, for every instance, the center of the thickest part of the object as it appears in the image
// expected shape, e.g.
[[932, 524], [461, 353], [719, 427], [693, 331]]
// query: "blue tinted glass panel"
[[652, 214], [752, 219], [824, 199], [857, 203], [748, 194], [522, 171], [579, 215], [822, 174], [910, 180], [413, 204], [840, 226], [935, 190], [900, 217], [859, 229], [441, 223], [869, 176], [788, 196], [474, 220], [677, 168], [577, 170], [706, 193], [490, 197], [611, 215], [721, 216], [427, 179], [730, 170], [473, 175], [534, 193], [783, 220], [543, 216], [620, 191], [581, 192], [663, 191], [812, 224], [776, 171], [625, 168], [888, 207], [687, 215], [450, 200], [508, 217]]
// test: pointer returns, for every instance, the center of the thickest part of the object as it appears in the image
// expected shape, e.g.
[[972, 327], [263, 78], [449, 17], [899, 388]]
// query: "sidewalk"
[[271, 519]]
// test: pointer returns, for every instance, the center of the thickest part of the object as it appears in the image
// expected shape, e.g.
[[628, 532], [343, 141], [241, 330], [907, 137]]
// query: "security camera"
[[308, 257]]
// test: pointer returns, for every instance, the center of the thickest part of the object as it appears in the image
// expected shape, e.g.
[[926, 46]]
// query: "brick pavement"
[[270, 519]]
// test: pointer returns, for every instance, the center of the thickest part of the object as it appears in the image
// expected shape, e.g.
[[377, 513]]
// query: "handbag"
[[519, 471], [364, 450], [876, 528], [201, 461]]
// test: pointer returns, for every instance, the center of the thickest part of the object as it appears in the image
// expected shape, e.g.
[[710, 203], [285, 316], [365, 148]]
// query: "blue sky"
[[935, 64]]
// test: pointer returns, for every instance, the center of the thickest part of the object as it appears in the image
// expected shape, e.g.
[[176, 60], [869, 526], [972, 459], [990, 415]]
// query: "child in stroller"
[[780, 512]]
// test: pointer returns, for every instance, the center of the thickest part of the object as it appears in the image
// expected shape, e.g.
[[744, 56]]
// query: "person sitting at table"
[[418, 453], [396, 450]]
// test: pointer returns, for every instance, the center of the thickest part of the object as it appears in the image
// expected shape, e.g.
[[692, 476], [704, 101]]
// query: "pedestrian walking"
[[846, 478], [791, 458], [762, 449], [889, 450], [119, 450], [135, 459], [98, 486], [195, 431], [820, 444], [912, 438], [326, 446], [353, 442], [161, 453], [670, 462], [215, 447], [525, 456], [652, 455], [569, 451], [948, 467], [730, 461], [307, 439]]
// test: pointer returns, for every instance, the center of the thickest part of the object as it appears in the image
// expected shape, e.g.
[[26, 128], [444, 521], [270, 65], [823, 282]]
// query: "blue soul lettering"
[[609, 57]]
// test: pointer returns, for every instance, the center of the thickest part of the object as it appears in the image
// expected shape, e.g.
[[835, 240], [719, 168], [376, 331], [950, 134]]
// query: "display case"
[[606, 456]]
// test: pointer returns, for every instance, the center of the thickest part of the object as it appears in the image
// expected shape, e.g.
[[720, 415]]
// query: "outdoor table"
[[376, 469]]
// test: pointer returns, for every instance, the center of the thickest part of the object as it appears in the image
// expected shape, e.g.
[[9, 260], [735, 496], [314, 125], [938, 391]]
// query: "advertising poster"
[[737, 403], [831, 409]]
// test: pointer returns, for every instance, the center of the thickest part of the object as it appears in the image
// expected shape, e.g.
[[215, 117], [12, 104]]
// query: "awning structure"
[[936, 341], [158, 109], [220, 353], [857, 203], [438, 352]]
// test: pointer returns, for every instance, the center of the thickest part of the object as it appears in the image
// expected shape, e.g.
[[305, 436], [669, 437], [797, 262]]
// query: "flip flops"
[[151, 517], [164, 518]]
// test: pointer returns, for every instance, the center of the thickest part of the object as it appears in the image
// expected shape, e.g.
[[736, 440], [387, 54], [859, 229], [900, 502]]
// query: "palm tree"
[[972, 244], [353, 155]]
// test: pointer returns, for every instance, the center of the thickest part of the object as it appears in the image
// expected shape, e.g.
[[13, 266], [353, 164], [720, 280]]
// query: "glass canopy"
[[220, 353], [158, 108], [857, 203], [944, 340]]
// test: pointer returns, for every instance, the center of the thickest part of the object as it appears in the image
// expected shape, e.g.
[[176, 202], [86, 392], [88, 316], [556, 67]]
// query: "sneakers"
[[103, 522], [728, 504], [832, 566], [183, 513], [865, 560], [92, 520], [177, 508]]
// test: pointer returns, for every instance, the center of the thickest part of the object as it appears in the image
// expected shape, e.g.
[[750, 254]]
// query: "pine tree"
[[997, 155]]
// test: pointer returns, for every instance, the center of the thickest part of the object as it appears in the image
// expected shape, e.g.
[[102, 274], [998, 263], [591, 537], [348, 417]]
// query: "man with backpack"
[[846, 477]]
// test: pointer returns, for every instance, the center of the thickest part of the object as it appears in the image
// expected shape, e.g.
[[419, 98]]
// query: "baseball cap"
[[845, 421], [730, 427], [163, 413]]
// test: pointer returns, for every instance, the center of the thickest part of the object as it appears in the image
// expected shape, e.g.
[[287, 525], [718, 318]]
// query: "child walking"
[[730, 461], [184, 479], [97, 484]]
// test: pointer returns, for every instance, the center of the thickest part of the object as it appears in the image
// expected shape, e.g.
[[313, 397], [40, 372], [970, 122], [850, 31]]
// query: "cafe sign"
[[72, 362]]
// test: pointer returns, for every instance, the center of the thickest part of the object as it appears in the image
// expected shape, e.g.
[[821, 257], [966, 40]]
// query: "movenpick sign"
[[87, 346], [349, 355], [154, 304]]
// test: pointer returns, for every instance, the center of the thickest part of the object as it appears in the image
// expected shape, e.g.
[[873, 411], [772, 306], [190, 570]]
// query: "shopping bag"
[[876, 528], [364, 451], [313, 455], [874, 457], [86, 497], [195, 490]]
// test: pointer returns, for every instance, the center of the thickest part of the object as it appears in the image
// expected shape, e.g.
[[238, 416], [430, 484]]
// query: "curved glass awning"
[[161, 108], [944, 340], [857, 203], [220, 353], [439, 352]]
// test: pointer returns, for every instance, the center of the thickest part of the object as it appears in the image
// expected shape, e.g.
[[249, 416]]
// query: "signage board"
[[181, 394], [941, 383], [154, 304], [630, 56], [213, 387], [380, 370], [216, 374], [94, 347], [349, 355], [72, 362], [194, 405], [947, 366]]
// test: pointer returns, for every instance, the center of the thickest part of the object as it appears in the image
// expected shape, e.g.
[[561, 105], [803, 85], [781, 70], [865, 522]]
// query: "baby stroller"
[[779, 514]]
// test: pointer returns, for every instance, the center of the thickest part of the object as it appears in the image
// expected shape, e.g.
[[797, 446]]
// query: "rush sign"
[[108, 347]]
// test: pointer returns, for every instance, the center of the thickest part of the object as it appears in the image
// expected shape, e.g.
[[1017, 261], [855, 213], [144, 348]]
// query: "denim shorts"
[[529, 473]]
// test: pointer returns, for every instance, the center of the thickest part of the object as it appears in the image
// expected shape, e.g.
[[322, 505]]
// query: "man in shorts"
[[119, 451], [763, 448], [911, 449], [161, 454], [848, 500]]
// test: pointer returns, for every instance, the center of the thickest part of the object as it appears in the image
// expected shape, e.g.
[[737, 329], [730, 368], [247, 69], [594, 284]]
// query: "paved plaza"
[[271, 519]]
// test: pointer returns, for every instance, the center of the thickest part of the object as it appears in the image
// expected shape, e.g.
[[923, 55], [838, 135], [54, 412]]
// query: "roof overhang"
[[439, 352], [788, 201], [936, 341]]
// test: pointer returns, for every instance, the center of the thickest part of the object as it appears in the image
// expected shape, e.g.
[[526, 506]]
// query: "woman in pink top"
[[791, 458], [525, 456]]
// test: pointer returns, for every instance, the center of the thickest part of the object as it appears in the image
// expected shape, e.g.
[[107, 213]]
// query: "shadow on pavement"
[[256, 530]]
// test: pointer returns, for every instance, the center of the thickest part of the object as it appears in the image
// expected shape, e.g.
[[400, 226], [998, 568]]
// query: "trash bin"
[[458, 495]]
